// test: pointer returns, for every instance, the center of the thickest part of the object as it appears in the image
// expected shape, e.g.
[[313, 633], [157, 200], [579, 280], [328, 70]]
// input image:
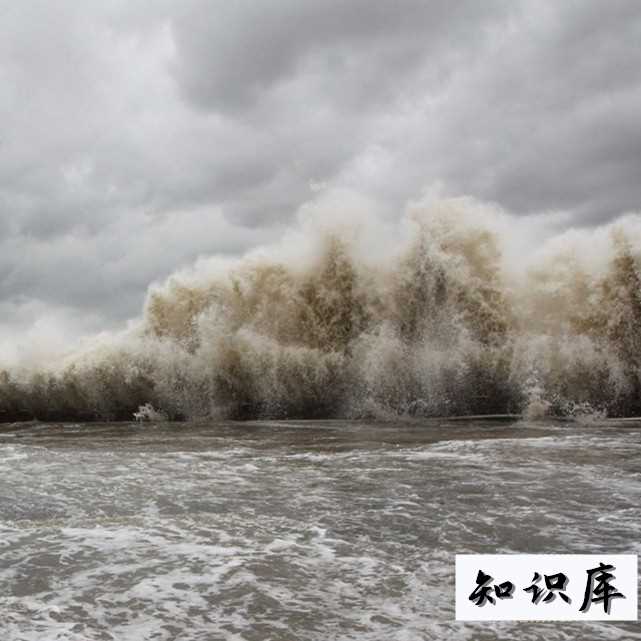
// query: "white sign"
[[546, 587]]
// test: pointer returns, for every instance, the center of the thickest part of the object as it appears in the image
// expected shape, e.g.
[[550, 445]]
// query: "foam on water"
[[335, 531]]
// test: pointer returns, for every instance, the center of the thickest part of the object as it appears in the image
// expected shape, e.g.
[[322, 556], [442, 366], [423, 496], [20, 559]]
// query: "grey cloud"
[[231, 54], [545, 117], [135, 137]]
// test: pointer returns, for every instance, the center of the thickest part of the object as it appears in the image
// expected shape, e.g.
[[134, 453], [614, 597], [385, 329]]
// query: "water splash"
[[445, 318]]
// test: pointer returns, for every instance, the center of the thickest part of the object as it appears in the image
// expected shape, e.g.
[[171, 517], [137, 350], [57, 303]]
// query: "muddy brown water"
[[301, 530]]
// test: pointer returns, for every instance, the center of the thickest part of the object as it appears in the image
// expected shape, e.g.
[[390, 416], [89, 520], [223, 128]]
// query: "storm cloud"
[[137, 136]]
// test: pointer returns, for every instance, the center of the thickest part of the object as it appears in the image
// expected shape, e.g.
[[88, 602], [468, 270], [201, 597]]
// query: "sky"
[[138, 135]]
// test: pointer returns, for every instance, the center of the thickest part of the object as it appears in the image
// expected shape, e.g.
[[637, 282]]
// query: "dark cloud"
[[231, 56], [558, 116], [135, 137]]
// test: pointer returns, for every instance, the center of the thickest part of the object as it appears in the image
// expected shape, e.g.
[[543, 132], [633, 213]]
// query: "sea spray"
[[446, 319]]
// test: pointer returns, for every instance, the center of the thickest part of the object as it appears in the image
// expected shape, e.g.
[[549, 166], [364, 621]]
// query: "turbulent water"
[[457, 309], [317, 530]]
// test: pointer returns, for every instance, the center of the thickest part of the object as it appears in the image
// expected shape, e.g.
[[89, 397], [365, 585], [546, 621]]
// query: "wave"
[[444, 313]]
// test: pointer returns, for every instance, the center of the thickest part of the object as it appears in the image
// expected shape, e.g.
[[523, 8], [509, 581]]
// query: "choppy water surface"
[[297, 530]]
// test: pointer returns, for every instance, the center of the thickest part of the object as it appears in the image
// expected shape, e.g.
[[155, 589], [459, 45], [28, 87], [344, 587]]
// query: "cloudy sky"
[[137, 135]]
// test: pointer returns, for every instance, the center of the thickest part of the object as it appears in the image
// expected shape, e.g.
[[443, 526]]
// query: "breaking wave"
[[444, 313]]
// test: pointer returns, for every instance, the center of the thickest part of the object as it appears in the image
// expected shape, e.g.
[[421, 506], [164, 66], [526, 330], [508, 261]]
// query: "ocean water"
[[291, 530]]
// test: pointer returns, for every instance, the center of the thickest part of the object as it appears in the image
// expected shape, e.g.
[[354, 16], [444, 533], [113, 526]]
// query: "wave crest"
[[440, 323]]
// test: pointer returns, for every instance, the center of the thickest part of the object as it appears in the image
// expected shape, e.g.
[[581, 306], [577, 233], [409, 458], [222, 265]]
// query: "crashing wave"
[[445, 319]]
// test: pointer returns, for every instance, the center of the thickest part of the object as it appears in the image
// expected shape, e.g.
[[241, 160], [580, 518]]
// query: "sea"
[[314, 530]]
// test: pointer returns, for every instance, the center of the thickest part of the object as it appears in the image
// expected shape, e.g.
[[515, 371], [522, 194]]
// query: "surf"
[[441, 313]]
